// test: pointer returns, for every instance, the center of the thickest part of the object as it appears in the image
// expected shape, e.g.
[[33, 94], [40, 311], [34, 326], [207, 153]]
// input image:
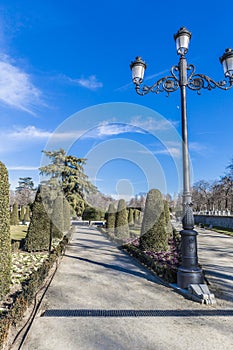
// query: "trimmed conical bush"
[[153, 232], [38, 236], [14, 217], [66, 212], [5, 240], [57, 218], [111, 218], [121, 223]]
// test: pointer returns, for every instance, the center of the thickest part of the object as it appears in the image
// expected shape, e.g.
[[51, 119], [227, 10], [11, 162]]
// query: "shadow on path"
[[146, 276]]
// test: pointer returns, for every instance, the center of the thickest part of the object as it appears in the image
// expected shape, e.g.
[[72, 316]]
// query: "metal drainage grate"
[[135, 313]]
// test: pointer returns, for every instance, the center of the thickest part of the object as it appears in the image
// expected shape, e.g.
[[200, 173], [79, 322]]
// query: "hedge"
[[23, 298], [5, 241]]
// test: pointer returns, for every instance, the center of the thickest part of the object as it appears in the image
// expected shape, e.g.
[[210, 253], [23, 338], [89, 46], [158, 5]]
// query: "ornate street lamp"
[[183, 76]]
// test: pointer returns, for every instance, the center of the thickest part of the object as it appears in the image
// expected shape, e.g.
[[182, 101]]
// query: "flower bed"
[[163, 263], [29, 283]]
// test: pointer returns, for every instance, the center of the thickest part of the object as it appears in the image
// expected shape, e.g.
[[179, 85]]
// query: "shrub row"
[[23, 298]]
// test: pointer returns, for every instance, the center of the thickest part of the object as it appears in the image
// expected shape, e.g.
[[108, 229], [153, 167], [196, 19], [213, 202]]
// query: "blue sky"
[[65, 82]]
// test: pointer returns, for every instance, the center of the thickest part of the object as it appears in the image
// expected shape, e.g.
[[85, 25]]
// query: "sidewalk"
[[215, 252], [101, 299]]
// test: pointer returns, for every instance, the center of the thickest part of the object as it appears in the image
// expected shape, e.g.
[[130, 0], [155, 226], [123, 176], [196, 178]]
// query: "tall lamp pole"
[[183, 76]]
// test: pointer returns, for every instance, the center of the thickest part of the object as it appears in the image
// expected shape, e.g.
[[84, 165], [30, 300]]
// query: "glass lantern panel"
[[182, 44], [228, 66], [138, 72]]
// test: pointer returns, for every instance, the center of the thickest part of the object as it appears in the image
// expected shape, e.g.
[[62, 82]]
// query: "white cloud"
[[90, 82], [151, 124], [16, 88], [197, 147], [22, 167], [108, 129], [171, 151], [29, 132]]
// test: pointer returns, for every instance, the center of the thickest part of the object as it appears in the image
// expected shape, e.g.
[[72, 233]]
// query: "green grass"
[[18, 232], [226, 231]]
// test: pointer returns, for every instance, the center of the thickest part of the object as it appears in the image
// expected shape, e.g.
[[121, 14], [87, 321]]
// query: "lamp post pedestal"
[[189, 272]]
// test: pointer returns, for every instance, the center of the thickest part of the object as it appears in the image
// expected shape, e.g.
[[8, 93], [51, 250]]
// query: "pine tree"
[[111, 218], [153, 232], [5, 240], [15, 215], [121, 223], [67, 175], [38, 235], [57, 218]]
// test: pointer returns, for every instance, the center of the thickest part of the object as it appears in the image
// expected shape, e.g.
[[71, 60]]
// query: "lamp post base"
[[186, 276]]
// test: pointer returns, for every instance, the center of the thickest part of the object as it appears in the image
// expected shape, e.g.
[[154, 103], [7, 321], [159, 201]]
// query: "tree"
[[57, 217], [25, 192], [15, 215], [5, 240], [131, 217], [38, 235], [121, 223], [168, 224], [27, 214], [66, 173], [66, 215], [91, 213], [111, 218], [22, 213], [153, 232]]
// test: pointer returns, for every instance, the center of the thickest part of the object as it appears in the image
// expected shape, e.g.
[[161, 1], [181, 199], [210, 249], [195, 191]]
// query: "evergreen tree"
[[25, 192], [121, 223], [111, 218], [57, 218], [22, 213], [153, 231], [27, 214], [67, 173], [168, 224], [131, 217], [5, 240], [91, 213], [38, 235], [15, 215], [67, 214]]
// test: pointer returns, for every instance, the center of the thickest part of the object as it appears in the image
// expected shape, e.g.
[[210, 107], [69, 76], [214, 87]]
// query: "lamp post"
[[183, 76]]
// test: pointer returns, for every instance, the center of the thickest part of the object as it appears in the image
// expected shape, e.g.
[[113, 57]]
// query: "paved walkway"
[[216, 256], [95, 275]]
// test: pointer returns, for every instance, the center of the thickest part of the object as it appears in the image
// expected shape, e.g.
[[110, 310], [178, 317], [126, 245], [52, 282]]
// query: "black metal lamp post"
[[183, 76]]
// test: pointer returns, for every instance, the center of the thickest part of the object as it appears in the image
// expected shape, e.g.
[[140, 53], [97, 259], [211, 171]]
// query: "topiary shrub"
[[121, 223], [22, 213], [14, 218], [91, 213], [153, 232], [111, 218], [38, 235], [66, 215], [5, 241], [169, 228], [131, 217], [57, 218], [27, 214]]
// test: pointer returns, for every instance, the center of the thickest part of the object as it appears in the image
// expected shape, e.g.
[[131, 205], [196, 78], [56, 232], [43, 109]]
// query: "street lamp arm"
[[197, 82], [170, 83]]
